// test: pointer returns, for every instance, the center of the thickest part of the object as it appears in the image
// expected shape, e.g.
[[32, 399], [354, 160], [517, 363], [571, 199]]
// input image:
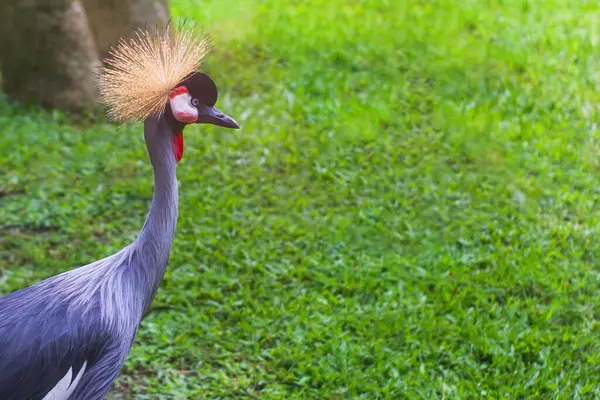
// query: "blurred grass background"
[[409, 211]]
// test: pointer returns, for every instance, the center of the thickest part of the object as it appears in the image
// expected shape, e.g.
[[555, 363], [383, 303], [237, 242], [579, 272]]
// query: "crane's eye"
[[195, 102]]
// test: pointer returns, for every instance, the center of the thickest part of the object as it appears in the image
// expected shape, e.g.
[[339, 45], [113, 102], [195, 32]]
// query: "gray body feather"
[[68, 337]]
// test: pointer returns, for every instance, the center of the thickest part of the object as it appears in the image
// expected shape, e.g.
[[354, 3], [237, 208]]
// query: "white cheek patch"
[[181, 106]]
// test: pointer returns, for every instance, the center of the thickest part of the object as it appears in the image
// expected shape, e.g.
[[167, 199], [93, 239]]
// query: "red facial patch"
[[177, 91], [178, 146], [186, 118]]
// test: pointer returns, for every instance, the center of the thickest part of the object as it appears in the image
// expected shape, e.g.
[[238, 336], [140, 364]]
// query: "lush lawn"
[[410, 210]]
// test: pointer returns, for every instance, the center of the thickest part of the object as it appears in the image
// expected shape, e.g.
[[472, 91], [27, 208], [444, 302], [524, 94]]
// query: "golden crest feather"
[[140, 72]]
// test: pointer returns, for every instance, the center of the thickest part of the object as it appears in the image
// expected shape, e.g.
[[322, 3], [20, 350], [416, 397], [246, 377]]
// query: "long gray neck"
[[153, 245]]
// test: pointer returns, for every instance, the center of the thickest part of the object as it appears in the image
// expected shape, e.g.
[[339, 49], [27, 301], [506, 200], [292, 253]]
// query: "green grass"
[[410, 210]]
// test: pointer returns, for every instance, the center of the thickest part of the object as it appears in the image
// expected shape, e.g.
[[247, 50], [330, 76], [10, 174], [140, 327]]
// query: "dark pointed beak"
[[211, 115]]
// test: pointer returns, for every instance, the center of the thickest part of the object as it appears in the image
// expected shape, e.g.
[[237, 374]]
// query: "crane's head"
[[193, 101], [154, 75]]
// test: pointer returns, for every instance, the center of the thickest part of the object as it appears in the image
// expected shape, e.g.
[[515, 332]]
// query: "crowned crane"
[[68, 336]]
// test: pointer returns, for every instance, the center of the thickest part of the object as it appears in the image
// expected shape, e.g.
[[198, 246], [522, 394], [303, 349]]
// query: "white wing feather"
[[64, 388]]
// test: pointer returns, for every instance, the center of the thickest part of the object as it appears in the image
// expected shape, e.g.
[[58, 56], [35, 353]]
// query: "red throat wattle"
[[178, 146]]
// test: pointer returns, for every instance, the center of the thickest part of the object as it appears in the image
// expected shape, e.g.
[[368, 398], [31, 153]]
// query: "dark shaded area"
[[50, 50], [47, 53]]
